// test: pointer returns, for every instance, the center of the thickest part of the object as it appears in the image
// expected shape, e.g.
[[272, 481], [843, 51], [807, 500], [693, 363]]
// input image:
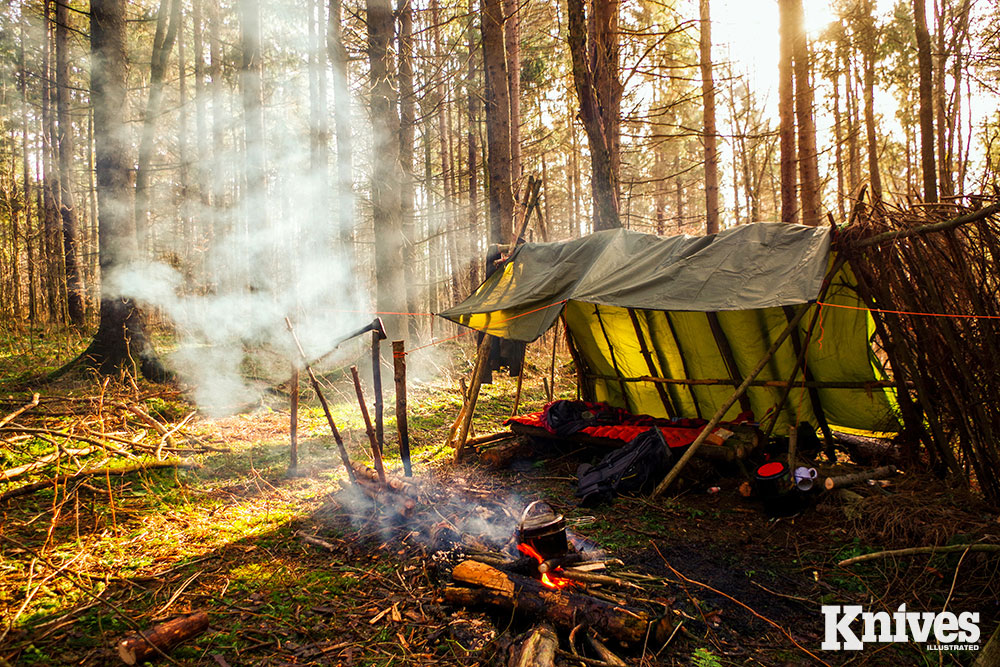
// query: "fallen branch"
[[315, 541], [916, 551], [41, 462], [118, 472], [26, 406], [68, 436]]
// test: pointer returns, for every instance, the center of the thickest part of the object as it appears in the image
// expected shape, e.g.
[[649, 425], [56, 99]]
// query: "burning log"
[[488, 586], [137, 648]]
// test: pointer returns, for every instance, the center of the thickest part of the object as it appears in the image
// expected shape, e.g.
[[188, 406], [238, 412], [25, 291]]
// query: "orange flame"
[[556, 583]]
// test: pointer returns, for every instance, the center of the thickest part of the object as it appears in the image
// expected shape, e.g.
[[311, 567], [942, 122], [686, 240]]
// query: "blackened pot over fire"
[[543, 530]]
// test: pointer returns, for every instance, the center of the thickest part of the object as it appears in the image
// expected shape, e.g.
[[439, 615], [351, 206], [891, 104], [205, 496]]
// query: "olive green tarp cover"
[[638, 305]]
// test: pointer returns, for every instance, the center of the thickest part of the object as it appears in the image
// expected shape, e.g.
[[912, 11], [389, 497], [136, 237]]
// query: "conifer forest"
[[304, 304]]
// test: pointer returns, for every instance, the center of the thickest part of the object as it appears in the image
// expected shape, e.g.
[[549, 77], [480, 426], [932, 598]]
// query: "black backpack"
[[635, 468]]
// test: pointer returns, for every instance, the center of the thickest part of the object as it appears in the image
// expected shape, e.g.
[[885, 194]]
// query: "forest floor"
[[88, 563]]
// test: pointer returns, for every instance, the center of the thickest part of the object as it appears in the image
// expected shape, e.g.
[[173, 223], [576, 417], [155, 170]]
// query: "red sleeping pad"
[[676, 432]]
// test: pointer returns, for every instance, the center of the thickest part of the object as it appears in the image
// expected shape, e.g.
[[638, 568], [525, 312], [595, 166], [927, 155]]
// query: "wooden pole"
[[924, 229], [482, 355], [293, 430], [517, 392], [402, 424], [551, 389], [376, 452], [377, 389], [724, 408], [326, 407]]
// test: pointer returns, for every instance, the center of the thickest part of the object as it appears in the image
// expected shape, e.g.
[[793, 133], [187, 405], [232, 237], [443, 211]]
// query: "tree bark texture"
[[786, 112], [167, 20], [588, 77], [498, 119], [709, 136], [926, 110], [342, 126], [390, 291], [67, 208], [120, 339], [806, 123]]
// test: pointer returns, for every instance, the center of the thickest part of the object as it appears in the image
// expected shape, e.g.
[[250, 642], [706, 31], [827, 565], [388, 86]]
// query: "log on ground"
[[136, 648]]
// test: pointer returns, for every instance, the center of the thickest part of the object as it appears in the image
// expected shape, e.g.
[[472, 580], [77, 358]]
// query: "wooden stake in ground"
[[322, 400], [402, 425], [293, 428], [377, 337], [376, 451], [135, 649]]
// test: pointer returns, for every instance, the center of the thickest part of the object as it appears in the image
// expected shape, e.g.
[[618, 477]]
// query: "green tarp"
[[689, 308]]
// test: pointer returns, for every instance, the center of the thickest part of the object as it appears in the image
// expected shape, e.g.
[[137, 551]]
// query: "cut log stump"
[[136, 648]]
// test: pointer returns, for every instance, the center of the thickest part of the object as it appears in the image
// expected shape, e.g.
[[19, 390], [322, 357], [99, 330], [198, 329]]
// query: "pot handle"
[[531, 505]]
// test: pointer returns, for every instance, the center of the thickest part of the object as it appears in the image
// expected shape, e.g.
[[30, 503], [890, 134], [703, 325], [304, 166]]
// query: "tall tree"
[[252, 98], [709, 136], [497, 99], [342, 125], [786, 111], [924, 66], [167, 21], [67, 206], [869, 42], [512, 46], [599, 93], [120, 340], [407, 123], [808, 160], [389, 290]]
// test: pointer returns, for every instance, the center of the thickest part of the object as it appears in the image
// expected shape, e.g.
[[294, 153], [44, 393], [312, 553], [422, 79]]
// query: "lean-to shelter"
[[669, 326]]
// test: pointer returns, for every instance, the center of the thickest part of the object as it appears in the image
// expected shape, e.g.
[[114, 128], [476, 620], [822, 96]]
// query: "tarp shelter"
[[669, 326]]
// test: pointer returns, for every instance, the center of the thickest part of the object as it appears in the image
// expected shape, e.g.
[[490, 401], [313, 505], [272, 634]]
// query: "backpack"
[[634, 468]]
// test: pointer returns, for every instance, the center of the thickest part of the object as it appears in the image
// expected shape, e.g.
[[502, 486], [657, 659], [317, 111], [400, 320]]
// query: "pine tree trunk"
[[709, 135], [74, 276], [472, 108], [498, 121], [407, 121], [512, 45], [838, 138], [808, 155], [588, 76], [869, 37], [390, 292], [926, 110], [342, 127], [254, 198], [786, 111], [167, 21], [120, 339]]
